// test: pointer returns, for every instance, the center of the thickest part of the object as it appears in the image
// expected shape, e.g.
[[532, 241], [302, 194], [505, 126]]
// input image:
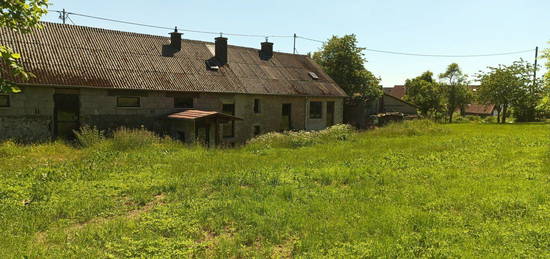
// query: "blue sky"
[[423, 26]]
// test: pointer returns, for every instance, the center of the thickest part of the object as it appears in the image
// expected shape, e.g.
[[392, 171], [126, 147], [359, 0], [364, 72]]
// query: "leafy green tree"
[[424, 92], [21, 16], [454, 86], [344, 61], [510, 87]]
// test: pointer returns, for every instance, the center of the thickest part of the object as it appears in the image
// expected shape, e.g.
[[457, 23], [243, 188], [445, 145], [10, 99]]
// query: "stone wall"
[[30, 114]]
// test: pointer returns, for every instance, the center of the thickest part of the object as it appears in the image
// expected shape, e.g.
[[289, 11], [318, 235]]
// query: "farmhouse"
[[186, 89]]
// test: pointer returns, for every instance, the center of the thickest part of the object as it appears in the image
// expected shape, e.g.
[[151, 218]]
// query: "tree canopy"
[[21, 16], [454, 86], [424, 92], [344, 61], [511, 86]]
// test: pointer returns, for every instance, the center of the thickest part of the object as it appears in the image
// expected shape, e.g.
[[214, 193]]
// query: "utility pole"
[[535, 72], [294, 49], [63, 16]]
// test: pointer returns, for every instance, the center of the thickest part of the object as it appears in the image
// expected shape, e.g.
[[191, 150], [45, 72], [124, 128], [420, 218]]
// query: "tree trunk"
[[451, 117], [504, 111], [498, 115]]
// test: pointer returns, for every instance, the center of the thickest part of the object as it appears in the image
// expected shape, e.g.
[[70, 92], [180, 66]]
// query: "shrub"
[[490, 119], [410, 128], [88, 136], [127, 139], [296, 139]]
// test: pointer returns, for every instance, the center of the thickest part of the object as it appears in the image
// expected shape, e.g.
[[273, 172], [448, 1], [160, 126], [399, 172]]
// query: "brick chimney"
[[221, 50], [266, 53], [175, 39]]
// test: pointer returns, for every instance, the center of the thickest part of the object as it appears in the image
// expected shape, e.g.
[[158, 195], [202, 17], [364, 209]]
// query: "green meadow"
[[416, 189]]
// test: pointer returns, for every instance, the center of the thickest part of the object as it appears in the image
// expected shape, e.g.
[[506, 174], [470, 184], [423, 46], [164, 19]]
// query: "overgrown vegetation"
[[416, 189]]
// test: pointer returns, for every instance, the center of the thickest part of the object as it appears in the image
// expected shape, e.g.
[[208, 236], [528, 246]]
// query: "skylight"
[[313, 75]]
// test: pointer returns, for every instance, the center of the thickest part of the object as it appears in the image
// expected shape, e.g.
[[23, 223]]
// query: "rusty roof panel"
[[80, 56]]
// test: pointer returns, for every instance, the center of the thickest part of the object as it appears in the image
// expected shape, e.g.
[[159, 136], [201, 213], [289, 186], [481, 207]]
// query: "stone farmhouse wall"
[[30, 115]]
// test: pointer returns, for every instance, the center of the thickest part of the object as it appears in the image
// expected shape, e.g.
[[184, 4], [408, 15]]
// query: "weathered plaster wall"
[[31, 113]]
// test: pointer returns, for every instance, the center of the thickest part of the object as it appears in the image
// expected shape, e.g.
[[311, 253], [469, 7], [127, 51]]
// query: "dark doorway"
[[330, 114], [66, 115], [286, 119], [202, 133]]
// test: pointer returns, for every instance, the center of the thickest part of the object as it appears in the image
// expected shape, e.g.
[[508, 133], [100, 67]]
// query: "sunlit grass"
[[413, 190]]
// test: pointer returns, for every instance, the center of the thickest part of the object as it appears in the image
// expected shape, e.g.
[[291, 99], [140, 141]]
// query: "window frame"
[[316, 115], [257, 106], [138, 102], [8, 98], [186, 97]]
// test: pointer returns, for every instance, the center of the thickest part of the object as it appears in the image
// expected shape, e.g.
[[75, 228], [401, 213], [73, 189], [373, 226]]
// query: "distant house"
[[357, 114], [399, 91], [190, 90]]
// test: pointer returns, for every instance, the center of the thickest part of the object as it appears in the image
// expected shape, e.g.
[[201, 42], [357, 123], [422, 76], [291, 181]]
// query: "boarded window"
[[315, 110], [257, 130], [128, 102], [229, 127], [257, 106], [4, 101], [183, 102]]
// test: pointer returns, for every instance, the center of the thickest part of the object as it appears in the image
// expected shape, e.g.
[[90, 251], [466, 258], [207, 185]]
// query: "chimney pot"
[[221, 50]]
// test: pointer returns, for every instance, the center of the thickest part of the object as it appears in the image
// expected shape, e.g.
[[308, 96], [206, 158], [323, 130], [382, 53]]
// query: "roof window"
[[313, 76]]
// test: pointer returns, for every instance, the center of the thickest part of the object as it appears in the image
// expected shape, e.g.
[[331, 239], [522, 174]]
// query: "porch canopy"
[[198, 114]]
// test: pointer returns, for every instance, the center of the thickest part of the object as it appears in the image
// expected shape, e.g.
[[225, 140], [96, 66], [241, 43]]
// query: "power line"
[[170, 28], [66, 15], [433, 55]]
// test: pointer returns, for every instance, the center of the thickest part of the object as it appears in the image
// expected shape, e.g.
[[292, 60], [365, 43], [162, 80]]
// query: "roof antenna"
[[176, 29], [221, 34], [266, 38]]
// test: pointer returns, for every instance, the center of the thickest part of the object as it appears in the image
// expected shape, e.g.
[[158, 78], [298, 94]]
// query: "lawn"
[[413, 190]]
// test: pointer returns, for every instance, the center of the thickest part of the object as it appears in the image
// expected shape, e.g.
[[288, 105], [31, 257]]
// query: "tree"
[[424, 92], [456, 93], [21, 16], [508, 87], [344, 62]]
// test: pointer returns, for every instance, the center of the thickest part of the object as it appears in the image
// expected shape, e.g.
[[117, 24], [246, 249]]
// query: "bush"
[[410, 128], [89, 136], [490, 119], [296, 139], [127, 139]]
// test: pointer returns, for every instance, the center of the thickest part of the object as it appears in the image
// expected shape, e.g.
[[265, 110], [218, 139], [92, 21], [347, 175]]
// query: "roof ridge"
[[157, 36]]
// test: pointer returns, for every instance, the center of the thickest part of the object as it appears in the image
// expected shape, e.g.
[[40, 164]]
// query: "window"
[[229, 127], [313, 76], [182, 102], [315, 110], [330, 114], [257, 130], [4, 101], [257, 106], [127, 102]]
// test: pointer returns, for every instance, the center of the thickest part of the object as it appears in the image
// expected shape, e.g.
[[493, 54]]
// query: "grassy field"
[[413, 190]]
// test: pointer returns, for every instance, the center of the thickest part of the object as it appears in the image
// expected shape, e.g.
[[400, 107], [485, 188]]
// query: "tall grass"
[[410, 128], [451, 191], [296, 139], [127, 139]]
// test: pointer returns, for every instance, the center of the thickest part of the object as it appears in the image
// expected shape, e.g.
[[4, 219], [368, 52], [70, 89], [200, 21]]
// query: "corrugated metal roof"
[[198, 114], [69, 55]]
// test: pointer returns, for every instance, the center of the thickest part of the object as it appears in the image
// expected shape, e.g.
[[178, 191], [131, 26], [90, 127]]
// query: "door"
[[202, 133], [66, 115], [286, 119], [330, 114]]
